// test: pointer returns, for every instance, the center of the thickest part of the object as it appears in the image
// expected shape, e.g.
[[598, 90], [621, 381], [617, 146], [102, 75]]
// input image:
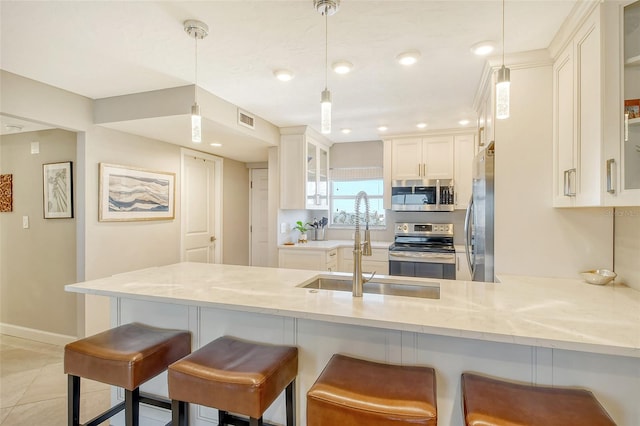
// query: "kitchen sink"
[[386, 286]]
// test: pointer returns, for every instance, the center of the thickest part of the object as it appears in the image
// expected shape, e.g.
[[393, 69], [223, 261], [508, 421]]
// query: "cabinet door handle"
[[611, 162], [332, 254], [626, 127], [567, 183]]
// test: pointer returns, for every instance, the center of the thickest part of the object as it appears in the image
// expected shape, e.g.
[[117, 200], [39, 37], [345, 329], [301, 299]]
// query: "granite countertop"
[[545, 312], [331, 244]]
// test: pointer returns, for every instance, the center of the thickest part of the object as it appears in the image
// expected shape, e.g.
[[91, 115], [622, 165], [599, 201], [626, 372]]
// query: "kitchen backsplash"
[[627, 246]]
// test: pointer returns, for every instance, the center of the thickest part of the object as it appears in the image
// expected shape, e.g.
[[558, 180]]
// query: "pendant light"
[[503, 83], [326, 8], [198, 30]]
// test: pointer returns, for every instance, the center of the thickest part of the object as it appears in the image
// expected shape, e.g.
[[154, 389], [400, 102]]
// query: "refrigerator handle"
[[468, 236]]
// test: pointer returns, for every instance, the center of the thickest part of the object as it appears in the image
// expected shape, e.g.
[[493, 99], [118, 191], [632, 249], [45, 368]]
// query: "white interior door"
[[259, 217], [201, 183]]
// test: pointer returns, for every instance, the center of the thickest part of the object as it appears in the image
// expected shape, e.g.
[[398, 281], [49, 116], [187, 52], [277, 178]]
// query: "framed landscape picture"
[[57, 190], [130, 194]]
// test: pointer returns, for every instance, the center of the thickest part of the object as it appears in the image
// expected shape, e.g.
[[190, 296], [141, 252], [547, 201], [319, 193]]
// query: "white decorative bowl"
[[598, 276]]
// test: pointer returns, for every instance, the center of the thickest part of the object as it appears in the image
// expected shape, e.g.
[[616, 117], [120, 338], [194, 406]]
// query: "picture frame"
[[134, 194], [57, 189], [6, 193]]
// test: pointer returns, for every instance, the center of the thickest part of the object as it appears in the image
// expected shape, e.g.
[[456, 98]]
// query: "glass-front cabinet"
[[317, 176], [630, 148], [621, 185], [304, 169]]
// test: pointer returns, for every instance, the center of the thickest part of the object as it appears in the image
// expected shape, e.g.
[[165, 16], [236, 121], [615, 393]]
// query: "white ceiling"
[[108, 48]]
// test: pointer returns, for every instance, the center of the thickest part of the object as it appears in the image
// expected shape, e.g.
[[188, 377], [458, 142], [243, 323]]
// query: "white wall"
[[38, 261], [532, 237], [106, 248]]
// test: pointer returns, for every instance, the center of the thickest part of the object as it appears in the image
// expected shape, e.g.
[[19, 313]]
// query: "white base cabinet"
[[378, 262], [613, 379], [463, 273], [313, 260]]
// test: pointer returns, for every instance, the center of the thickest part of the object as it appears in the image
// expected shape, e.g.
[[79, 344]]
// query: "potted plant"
[[303, 231]]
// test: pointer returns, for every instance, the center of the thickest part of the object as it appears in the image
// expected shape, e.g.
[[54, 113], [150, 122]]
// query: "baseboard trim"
[[34, 334]]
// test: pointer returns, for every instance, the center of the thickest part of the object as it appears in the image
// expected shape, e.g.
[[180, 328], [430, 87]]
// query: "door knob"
[[213, 238]]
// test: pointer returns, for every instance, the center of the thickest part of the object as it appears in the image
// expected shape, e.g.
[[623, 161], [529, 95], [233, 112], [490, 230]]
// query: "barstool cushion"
[[353, 392], [488, 401], [234, 375], [126, 356]]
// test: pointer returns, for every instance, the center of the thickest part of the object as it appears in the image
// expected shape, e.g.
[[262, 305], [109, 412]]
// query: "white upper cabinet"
[[429, 157], [595, 162], [577, 124], [622, 166], [304, 171]]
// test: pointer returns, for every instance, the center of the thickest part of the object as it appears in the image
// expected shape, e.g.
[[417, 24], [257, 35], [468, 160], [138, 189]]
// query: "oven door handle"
[[420, 255]]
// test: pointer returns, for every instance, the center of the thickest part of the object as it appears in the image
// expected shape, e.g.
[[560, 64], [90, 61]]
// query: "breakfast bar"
[[560, 332]]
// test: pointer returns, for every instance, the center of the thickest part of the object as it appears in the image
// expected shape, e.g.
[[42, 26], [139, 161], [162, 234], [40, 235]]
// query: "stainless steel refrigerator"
[[479, 220]]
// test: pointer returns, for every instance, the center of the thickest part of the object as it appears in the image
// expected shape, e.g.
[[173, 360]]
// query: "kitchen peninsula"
[[539, 330]]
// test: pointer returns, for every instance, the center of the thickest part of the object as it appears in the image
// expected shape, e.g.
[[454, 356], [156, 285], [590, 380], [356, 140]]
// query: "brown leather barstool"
[[234, 376], [488, 401], [354, 392], [125, 356]]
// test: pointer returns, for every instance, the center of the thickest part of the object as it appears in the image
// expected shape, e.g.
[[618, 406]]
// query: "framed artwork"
[[6, 193], [57, 190], [130, 194]]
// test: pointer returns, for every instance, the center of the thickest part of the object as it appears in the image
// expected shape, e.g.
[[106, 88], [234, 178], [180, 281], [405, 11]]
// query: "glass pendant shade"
[[502, 93], [196, 124], [325, 112]]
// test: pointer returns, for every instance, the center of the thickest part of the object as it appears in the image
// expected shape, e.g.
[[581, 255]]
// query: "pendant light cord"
[[196, 87], [326, 49], [502, 32]]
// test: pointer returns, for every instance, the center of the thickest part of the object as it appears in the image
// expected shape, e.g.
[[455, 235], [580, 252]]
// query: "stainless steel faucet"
[[361, 249]]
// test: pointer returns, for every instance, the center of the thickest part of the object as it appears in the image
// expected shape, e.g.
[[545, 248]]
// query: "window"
[[345, 185]]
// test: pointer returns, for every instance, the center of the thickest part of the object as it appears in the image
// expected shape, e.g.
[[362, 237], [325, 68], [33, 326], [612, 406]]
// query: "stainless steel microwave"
[[435, 195]]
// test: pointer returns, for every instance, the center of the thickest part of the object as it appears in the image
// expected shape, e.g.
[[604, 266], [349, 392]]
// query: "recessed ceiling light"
[[483, 48], [346, 131], [342, 67], [409, 57], [383, 128], [421, 125], [216, 144], [463, 122], [283, 75]]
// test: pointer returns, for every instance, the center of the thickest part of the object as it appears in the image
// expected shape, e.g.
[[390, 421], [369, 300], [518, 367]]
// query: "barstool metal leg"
[[73, 400], [132, 407], [179, 413], [222, 416], [255, 422], [290, 403]]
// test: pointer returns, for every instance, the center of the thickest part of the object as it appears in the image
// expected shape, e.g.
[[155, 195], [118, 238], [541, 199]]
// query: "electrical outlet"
[[283, 227], [25, 222]]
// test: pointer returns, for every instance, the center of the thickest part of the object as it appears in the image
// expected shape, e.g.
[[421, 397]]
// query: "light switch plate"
[[35, 147], [25, 222]]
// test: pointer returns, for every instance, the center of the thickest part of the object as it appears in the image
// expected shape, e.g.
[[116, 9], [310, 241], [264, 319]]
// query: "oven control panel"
[[424, 228]]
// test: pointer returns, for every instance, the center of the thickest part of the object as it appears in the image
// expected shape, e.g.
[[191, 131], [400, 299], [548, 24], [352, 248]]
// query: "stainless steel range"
[[423, 250]]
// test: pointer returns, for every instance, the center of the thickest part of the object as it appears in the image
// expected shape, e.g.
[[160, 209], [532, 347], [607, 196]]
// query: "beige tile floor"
[[33, 386]]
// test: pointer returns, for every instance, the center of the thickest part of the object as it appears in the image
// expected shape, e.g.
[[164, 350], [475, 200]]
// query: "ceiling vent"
[[247, 120]]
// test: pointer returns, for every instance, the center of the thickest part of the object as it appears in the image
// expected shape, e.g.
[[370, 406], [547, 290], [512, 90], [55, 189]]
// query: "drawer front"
[[332, 256], [377, 254]]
